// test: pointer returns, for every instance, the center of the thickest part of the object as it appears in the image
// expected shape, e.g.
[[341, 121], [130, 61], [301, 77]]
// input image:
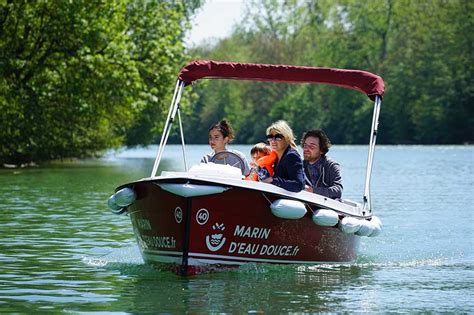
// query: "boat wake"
[[118, 256], [434, 261]]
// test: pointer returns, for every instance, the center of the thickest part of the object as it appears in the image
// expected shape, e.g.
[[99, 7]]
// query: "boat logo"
[[178, 215], [215, 241], [202, 216]]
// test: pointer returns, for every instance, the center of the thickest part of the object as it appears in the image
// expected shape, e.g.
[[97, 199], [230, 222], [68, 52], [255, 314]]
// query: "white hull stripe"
[[168, 256]]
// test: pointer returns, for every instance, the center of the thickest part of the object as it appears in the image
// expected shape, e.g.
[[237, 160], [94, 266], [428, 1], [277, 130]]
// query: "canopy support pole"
[[182, 140], [370, 158], [174, 107]]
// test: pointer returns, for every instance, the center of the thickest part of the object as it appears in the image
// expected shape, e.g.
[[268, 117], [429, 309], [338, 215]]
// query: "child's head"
[[259, 150]]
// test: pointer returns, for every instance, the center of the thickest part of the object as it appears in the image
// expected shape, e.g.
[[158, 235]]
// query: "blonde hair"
[[282, 128]]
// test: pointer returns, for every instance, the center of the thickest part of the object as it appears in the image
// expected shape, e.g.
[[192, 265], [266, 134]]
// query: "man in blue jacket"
[[323, 175]]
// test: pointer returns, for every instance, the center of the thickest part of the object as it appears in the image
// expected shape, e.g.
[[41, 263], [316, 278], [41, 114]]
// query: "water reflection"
[[253, 288]]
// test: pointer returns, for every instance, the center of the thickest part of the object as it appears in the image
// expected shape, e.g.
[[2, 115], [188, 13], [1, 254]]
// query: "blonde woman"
[[288, 173]]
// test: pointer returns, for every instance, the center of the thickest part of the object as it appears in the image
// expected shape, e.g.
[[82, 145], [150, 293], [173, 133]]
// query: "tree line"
[[79, 77], [422, 49]]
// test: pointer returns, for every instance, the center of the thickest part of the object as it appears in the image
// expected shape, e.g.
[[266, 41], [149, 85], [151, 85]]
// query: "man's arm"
[[334, 188]]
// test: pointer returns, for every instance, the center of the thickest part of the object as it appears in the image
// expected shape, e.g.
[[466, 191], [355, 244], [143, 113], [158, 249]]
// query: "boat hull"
[[224, 230]]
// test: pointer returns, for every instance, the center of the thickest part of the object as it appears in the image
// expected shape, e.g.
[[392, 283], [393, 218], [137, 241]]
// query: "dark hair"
[[324, 142], [225, 128], [260, 148]]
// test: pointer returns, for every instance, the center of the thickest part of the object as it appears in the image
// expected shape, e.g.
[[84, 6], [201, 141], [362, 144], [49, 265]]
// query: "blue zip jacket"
[[329, 181], [289, 173]]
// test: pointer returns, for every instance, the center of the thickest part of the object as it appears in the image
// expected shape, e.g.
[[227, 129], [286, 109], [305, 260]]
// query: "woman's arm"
[[295, 178]]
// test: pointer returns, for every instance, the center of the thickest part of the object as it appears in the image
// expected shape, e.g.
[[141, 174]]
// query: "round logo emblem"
[[202, 216], [178, 214]]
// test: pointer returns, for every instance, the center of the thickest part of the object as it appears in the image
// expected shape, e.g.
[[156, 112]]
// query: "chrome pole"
[[182, 140], [370, 158], [168, 124]]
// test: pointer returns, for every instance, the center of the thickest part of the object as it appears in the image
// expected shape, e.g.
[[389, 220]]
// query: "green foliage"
[[78, 77], [422, 49]]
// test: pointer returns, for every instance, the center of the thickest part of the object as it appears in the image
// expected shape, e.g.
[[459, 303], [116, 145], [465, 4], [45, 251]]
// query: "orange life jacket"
[[268, 162]]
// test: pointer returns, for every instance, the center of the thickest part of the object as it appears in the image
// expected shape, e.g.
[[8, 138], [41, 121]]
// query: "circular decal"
[[202, 216], [178, 214]]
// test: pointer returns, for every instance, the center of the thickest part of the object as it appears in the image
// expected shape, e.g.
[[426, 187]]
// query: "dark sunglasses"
[[277, 137]]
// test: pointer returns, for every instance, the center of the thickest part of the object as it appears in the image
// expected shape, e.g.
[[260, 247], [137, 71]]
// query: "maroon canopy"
[[363, 81]]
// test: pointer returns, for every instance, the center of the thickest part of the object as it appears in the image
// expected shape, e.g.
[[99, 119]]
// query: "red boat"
[[209, 218]]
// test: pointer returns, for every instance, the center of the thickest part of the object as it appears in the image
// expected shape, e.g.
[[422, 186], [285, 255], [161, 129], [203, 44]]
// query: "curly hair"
[[324, 142]]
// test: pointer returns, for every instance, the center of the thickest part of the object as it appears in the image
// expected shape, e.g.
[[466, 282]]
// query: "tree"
[[422, 49], [78, 77]]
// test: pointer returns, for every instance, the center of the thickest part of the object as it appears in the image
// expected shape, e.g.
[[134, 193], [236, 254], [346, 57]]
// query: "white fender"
[[121, 199], [124, 197], [325, 217], [191, 190], [377, 226], [350, 225], [112, 205], [288, 209], [366, 228]]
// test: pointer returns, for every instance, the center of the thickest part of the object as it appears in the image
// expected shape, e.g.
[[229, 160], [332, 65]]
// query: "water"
[[61, 250]]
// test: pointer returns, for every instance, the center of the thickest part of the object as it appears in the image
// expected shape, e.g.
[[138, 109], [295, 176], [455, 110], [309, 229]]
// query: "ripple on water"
[[62, 250]]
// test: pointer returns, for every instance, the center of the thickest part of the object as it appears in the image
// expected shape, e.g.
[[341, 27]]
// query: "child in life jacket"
[[263, 160]]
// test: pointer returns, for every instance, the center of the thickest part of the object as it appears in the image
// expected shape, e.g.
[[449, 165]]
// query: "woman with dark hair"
[[220, 134], [323, 174], [288, 172]]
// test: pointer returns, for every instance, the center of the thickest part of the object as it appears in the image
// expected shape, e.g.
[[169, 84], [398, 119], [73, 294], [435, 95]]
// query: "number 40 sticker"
[[202, 216]]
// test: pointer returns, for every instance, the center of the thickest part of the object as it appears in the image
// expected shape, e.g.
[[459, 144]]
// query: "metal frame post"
[[182, 140], [370, 158], [174, 108]]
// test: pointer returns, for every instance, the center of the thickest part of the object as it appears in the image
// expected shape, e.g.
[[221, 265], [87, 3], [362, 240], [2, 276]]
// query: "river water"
[[62, 250]]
